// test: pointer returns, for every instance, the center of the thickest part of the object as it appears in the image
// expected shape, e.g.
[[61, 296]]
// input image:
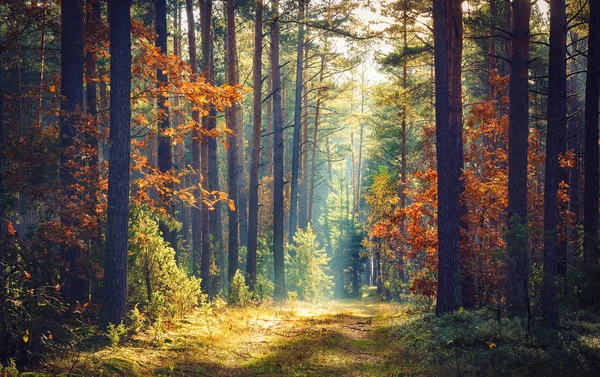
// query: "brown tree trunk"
[[313, 167], [278, 205], [448, 27], [517, 264], [72, 59], [115, 257], [205, 256], [555, 147], [297, 125], [196, 136], [232, 140], [256, 136], [592, 93]]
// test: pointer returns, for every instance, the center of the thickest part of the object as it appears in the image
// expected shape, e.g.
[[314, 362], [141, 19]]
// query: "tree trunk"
[[297, 125], [517, 265], [574, 171], [165, 153], [313, 167], [232, 140], [206, 36], [72, 60], [256, 136], [555, 147], [303, 186], [448, 151], [115, 257], [196, 136], [590, 195], [278, 204]]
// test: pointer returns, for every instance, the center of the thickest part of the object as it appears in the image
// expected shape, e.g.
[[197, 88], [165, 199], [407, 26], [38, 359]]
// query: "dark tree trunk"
[[216, 221], [165, 153], [297, 126], [115, 257], [592, 89], [196, 211], [206, 36], [278, 205], [449, 151], [555, 146], [72, 59], [256, 136], [232, 140], [303, 185], [517, 264], [574, 136], [507, 40]]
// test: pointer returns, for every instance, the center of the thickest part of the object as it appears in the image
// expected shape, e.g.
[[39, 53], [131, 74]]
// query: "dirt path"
[[340, 338]]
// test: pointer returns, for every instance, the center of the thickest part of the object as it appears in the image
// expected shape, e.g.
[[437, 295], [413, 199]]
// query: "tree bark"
[[196, 211], [278, 204], [297, 125], [256, 138], [72, 60], [115, 257], [232, 140], [555, 147], [449, 153], [517, 264], [592, 93], [165, 153], [205, 257], [313, 167]]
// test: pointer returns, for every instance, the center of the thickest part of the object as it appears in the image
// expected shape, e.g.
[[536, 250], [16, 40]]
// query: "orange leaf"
[[10, 229]]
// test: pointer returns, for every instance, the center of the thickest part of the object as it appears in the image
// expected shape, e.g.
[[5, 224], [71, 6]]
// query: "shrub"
[[239, 294], [115, 333], [307, 271], [264, 288], [135, 320], [154, 278]]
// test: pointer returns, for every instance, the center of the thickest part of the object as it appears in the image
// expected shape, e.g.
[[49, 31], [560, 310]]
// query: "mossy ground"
[[358, 337]]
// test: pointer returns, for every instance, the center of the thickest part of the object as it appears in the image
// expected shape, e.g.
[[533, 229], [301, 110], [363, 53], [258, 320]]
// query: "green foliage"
[[469, 343], [135, 320], [115, 333], [307, 272], [154, 278], [263, 288], [239, 294]]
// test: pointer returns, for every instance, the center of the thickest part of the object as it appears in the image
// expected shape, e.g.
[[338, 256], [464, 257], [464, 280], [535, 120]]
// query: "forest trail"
[[338, 338]]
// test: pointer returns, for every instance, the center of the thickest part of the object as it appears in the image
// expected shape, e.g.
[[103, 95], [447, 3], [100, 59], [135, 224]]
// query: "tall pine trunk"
[[555, 147], [256, 136], [278, 204], [72, 60], [592, 93], [232, 140], [115, 258], [165, 153], [205, 257], [196, 211], [517, 264], [449, 151], [297, 125]]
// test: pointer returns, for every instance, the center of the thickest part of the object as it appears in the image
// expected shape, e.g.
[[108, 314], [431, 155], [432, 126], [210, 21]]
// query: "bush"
[[307, 272], [239, 294], [115, 333], [135, 320], [264, 288], [154, 278]]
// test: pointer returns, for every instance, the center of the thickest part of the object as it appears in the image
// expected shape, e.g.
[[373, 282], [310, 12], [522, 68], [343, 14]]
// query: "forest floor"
[[337, 338], [353, 337]]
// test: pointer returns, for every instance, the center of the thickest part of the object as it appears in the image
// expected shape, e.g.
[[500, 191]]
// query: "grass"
[[359, 337]]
